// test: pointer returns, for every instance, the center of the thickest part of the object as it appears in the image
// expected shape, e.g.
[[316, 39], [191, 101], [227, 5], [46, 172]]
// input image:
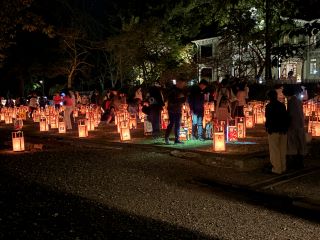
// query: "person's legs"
[[200, 127], [67, 118], [155, 116], [177, 123], [274, 151], [194, 125], [169, 127]]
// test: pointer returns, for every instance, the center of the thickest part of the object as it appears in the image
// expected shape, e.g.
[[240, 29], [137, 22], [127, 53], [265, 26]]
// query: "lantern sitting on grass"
[[17, 141], [82, 128], [219, 143]]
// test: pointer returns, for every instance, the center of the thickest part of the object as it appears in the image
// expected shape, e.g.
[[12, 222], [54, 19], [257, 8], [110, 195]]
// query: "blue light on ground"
[[242, 143]]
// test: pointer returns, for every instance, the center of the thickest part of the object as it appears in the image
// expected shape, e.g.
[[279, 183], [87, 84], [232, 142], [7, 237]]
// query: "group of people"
[[285, 128], [228, 101]]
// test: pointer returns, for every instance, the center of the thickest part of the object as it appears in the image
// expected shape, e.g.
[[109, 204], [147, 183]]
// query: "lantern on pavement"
[[18, 141], [82, 128]]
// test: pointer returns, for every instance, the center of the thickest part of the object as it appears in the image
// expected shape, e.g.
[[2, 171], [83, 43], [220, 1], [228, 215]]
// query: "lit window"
[[313, 66]]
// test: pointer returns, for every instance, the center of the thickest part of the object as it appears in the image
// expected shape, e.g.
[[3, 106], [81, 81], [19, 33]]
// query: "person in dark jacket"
[[156, 103], [176, 99], [196, 101], [277, 123]]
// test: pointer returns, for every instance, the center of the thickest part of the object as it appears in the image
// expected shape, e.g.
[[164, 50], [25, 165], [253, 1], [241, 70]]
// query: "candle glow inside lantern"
[[18, 141], [7, 118], [44, 126], [125, 131], [219, 143], [314, 125], [241, 126], [147, 127], [90, 124], [133, 122], [249, 120], [82, 128], [62, 127]]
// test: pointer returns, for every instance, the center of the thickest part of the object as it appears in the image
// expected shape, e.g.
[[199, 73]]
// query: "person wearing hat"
[[277, 123], [196, 101]]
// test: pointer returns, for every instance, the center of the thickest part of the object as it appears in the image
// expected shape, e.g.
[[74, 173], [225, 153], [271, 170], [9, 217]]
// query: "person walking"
[[297, 146], [196, 102], [176, 99], [277, 123]]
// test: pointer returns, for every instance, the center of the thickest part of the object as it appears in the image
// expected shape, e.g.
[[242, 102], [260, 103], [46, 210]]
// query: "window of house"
[[206, 51], [313, 66]]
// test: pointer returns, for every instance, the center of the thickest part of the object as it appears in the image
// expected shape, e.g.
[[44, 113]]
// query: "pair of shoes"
[[201, 139], [193, 138], [178, 142], [167, 142]]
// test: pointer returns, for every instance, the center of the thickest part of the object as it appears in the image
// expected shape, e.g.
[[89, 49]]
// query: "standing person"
[[156, 103], [176, 99], [196, 102], [277, 122], [70, 102], [297, 146]]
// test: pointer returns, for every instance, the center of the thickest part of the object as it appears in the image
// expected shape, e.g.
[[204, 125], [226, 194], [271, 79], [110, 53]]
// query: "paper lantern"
[[7, 118], [18, 141], [241, 127], [147, 127], [62, 127], [259, 117], [249, 121], [133, 122], [314, 125], [44, 127], [232, 134], [125, 131], [82, 128], [90, 124], [219, 143]]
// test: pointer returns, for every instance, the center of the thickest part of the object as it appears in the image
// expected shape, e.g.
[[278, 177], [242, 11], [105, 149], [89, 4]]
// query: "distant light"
[[174, 81], [260, 81], [301, 96], [41, 81]]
